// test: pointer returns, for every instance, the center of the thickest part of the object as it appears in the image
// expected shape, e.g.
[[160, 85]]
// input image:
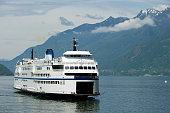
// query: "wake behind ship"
[[75, 73]]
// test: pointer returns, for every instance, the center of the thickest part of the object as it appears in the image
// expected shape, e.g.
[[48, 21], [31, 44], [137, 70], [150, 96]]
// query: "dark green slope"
[[5, 71], [151, 58]]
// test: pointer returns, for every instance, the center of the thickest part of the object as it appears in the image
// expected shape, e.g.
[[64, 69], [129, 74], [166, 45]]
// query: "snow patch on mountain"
[[155, 11], [151, 11], [133, 23], [148, 12]]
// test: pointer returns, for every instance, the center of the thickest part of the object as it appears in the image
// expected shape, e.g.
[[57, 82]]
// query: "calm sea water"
[[118, 95]]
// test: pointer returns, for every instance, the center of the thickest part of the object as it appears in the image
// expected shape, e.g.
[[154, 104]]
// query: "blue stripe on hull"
[[54, 78]]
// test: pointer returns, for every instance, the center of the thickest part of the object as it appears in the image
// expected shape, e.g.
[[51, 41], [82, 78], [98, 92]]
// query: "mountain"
[[5, 71], [108, 47], [111, 21], [63, 41], [150, 58], [148, 12]]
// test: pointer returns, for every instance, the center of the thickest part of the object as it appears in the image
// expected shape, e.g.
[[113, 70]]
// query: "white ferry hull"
[[62, 86]]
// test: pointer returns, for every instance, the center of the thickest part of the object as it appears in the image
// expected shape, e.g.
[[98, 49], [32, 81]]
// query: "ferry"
[[75, 73]]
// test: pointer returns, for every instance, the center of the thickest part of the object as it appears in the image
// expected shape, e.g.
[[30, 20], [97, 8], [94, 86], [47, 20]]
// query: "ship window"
[[71, 67], [57, 66], [89, 67], [56, 82], [85, 67], [76, 67], [81, 74], [93, 68], [39, 68], [24, 73], [77, 55], [66, 67], [48, 68], [80, 67], [26, 68], [67, 55]]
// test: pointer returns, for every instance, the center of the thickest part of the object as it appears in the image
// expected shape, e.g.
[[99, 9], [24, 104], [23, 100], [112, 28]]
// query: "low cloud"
[[91, 16], [161, 7], [134, 23], [65, 22]]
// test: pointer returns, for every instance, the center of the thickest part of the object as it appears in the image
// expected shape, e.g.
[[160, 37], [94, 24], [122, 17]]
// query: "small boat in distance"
[[75, 73]]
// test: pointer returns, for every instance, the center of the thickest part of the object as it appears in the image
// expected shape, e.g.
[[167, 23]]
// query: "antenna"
[[74, 44], [32, 54]]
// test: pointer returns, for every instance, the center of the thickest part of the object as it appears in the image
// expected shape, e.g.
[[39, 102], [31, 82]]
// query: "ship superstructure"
[[74, 73]]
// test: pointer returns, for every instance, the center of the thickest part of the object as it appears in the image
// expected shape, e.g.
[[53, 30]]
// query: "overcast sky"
[[26, 23]]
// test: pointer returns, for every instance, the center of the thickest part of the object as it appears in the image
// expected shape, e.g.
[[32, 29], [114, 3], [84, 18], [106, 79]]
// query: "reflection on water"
[[39, 103], [87, 106]]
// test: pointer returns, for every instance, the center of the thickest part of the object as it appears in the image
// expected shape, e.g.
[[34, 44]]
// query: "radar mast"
[[75, 44]]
